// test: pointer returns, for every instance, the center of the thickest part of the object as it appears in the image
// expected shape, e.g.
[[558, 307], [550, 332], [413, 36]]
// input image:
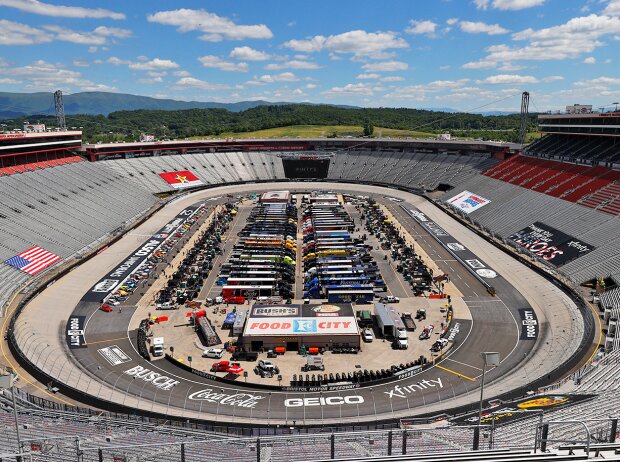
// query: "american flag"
[[33, 260]]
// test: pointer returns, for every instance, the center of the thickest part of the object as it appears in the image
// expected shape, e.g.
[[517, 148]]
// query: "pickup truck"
[[244, 356], [227, 366]]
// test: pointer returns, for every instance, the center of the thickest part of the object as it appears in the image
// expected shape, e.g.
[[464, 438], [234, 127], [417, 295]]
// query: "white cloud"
[[507, 4], [41, 75], [249, 54], [392, 78], [612, 8], [181, 73], [570, 40], [81, 63], [9, 82], [271, 78], [590, 60], [14, 33], [359, 43], [153, 65], [310, 86], [598, 82], [510, 67], [386, 66], [452, 21], [423, 92], [117, 61], [353, 89], [151, 80], [190, 82], [60, 11], [508, 79], [80, 37], [425, 27], [215, 62], [482, 28], [367, 76], [552, 78], [293, 64], [215, 28], [113, 32]]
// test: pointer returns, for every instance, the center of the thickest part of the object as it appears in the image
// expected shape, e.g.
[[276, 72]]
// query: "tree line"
[[128, 125]]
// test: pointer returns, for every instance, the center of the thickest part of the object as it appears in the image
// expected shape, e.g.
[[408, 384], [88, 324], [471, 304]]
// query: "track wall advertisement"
[[551, 244]]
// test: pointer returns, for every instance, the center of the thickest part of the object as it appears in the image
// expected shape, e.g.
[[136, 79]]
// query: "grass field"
[[317, 131]]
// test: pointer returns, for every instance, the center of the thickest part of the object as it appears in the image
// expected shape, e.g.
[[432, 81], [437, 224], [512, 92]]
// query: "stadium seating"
[[66, 209], [591, 149], [595, 187]]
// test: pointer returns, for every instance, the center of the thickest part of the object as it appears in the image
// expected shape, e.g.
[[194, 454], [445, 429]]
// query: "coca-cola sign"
[[237, 399]]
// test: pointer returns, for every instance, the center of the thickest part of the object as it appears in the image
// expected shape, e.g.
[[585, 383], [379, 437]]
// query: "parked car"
[[439, 345], [216, 353], [426, 333], [266, 368], [389, 299], [367, 335], [227, 366]]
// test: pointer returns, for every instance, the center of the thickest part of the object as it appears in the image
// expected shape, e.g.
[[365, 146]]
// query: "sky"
[[469, 55]]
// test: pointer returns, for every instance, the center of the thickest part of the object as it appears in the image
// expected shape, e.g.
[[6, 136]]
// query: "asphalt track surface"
[[495, 325]]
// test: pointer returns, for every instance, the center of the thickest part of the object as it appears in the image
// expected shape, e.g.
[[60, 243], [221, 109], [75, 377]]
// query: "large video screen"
[[306, 168]]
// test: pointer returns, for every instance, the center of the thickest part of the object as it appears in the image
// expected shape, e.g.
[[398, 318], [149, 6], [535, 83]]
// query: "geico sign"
[[160, 381], [327, 401]]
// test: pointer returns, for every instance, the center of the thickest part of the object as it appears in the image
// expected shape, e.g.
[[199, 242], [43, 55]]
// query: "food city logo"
[[238, 399], [402, 391], [75, 331], [160, 381], [304, 325], [324, 401]]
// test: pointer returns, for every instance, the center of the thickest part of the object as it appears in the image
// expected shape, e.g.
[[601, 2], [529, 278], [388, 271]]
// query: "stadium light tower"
[[525, 105], [489, 359], [60, 110]]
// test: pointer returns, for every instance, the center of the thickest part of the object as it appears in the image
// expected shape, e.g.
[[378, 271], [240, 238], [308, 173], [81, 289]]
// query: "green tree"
[[369, 129]]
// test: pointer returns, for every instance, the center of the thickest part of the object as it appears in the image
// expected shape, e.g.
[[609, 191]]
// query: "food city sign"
[[300, 326], [238, 399]]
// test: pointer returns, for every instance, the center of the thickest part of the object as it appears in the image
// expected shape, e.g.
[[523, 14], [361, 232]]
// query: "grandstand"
[[70, 206]]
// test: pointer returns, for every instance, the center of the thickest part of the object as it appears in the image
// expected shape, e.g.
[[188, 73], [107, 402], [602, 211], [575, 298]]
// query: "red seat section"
[[23, 168], [594, 187]]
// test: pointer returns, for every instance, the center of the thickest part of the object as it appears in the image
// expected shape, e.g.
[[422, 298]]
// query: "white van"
[[158, 346]]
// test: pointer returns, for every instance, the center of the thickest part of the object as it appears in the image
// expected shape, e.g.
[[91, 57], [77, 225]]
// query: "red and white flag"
[[33, 260], [181, 179]]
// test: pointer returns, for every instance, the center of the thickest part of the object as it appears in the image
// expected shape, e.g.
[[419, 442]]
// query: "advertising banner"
[[181, 179], [301, 326], [468, 202], [520, 409], [550, 244]]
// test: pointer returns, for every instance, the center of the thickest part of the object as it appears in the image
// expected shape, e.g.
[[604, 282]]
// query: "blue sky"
[[463, 54]]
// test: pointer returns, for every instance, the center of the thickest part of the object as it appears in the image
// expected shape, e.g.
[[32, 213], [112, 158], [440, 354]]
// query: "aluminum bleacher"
[[66, 209]]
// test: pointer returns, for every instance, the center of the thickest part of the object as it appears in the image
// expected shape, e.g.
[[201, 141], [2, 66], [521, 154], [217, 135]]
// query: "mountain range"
[[97, 102], [13, 105]]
